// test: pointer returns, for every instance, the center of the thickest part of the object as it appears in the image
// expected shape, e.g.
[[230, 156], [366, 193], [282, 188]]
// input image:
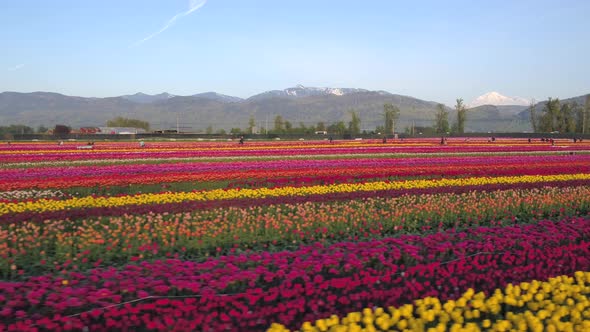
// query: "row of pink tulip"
[[8, 174]]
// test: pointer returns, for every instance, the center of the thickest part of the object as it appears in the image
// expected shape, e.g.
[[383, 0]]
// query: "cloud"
[[193, 5], [17, 67]]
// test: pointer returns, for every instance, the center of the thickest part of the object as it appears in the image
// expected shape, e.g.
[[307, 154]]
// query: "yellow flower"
[[543, 313]]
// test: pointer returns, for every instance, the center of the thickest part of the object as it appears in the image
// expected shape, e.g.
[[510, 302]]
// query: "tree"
[[391, 114], [42, 129], [221, 131], [61, 130], [441, 119], [302, 129], [586, 116], [125, 122], [209, 130], [354, 126], [337, 128], [17, 129], [567, 123], [235, 131], [533, 116], [551, 117], [279, 124], [461, 116], [320, 126], [251, 124], [288, 127]]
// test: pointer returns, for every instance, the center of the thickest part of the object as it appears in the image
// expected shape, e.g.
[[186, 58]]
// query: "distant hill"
[[143, 98], [196, 112], [218, 97]]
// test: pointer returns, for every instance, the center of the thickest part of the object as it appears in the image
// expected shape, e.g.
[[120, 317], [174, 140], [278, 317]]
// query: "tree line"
[[390, 116], [561, 117], [19, 129]]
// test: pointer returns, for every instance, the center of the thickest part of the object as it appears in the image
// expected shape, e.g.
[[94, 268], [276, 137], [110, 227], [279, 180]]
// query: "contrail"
[[17, 67], [193, 5]]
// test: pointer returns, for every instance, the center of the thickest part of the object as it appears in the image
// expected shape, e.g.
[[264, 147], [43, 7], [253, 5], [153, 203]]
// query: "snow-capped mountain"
[[305, 91], [496, 99]]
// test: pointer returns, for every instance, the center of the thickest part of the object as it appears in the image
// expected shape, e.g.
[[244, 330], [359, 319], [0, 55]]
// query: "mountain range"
[[299, 104]]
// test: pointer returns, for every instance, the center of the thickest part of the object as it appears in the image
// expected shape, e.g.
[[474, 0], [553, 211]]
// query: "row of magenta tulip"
[[239, 166], [183, 150], [558, 304], [293, 173], [33, 248], [249, 292], [326, 156]]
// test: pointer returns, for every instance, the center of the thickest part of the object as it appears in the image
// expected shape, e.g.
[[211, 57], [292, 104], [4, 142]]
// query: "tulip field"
[[356, 235]]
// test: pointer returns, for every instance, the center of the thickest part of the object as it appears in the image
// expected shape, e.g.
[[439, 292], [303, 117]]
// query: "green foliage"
[[354, 126], [16, 130], [461, 116], [585, 116], [549, 118], [533, 116], [391, 114], [126, 122], [279, 125], [337, 128], [320, 126], [567, 119], [42, 130], [288, 126], [209, 130], [441, 119], [251, 124]]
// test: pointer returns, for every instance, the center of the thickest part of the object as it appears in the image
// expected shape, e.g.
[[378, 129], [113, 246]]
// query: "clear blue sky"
[[434, 50]]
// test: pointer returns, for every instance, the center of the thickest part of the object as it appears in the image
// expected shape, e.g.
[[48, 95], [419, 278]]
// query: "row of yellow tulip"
[[559, 304], [43, 205]]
